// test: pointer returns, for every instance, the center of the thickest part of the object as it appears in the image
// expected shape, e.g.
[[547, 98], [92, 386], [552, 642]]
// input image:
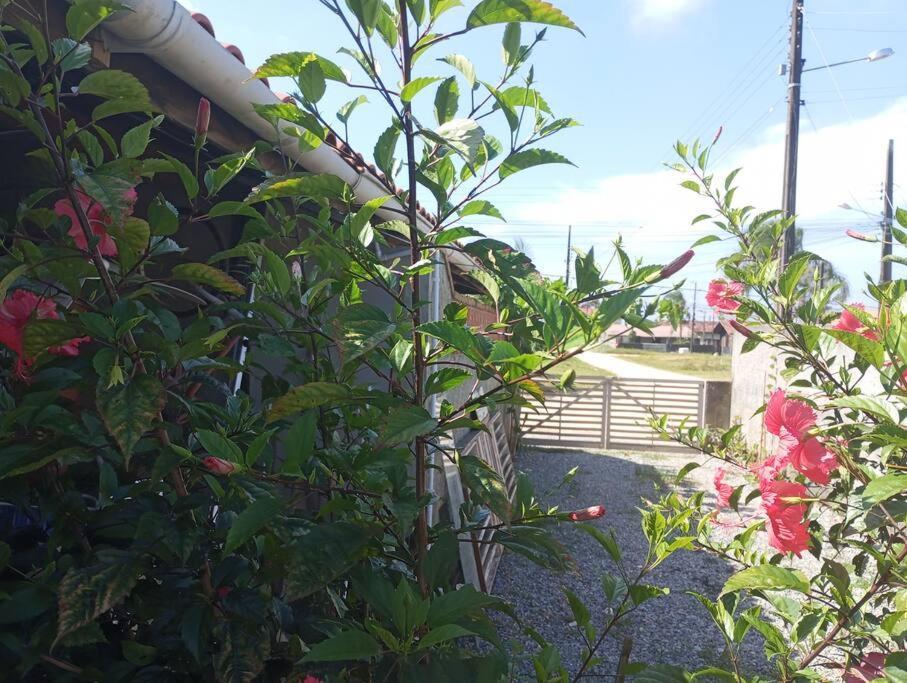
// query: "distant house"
[[709, 336]]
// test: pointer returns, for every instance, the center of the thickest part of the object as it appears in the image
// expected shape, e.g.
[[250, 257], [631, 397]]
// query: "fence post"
[[702, 400], [606, 410]]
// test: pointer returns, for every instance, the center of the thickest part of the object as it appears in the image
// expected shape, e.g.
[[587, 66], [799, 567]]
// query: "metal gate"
[[613, 412]]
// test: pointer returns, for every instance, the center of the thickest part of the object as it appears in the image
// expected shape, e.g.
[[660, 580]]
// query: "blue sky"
[[648, 72]]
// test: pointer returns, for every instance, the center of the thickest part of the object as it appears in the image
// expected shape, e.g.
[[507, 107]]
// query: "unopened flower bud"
[[717, 134], [587, 514], [742, 329], [676, 265], [219, 466], [202, 119], [863, 237]]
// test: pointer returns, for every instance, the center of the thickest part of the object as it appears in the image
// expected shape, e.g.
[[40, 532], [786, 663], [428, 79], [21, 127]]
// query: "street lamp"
[[791, 143], [874, 56]]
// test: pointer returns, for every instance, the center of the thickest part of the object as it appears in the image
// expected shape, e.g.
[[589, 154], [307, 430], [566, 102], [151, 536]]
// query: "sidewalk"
[[625, 368]]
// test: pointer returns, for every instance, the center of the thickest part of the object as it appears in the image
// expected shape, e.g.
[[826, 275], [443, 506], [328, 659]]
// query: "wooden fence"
[[613, 412]]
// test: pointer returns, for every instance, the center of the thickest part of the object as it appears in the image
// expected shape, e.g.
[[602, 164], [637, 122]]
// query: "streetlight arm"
[[828, 66]]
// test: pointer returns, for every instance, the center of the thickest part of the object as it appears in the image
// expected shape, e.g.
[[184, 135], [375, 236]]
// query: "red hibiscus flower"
[[849, 322], [587, 514], [786, 520], [871, 667], [98, 219], [218, 465], [16, 312], [791, 420], [722, 490], [311, 679], [721, 295]]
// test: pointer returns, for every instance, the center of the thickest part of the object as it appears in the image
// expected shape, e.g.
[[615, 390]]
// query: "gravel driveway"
[[671, 630]]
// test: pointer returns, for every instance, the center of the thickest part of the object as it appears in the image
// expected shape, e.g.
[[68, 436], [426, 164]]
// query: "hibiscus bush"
[[217, 467], [815, 525]]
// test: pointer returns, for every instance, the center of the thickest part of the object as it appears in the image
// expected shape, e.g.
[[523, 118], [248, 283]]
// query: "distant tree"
[[673, 308]]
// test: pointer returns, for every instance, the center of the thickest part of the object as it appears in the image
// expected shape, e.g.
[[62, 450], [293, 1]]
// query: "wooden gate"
[[613, 412]]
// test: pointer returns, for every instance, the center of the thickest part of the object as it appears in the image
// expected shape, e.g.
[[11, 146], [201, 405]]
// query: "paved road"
[[625, 368]]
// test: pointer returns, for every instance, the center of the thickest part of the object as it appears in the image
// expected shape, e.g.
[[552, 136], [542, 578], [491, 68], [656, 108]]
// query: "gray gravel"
[[673, 630]]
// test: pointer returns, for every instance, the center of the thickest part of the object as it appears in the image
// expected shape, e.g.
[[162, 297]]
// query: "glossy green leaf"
[[411, 89], [203, 274], [464, 66], [307, 396], [505, 11], [529, 158], [405, 424], [252, 520], [766, 577], [84, 15], [345, 646], [122, 91], [131, 409]]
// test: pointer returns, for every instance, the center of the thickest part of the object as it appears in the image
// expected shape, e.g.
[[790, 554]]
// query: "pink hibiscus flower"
[[790, 420], [786, 523], [871, 667], [723, 491], [16, 312], [98, 219], [219, 465], [849, 322], [587, 514], [721, 295]]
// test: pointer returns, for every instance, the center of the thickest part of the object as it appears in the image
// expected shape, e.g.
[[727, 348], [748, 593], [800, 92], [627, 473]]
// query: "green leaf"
[[219, 446], [456, 336], [464, 66], [129, 410], [439, 7], [313, 186], [35, 38], [366, 12], [210, 276], [883, 488], [766, 577], [122, 91], [505, 11], [519, 96], [793, 273], [87, 593], [132, 241], [445, 379], [163, 217], [706, 240], [871, 351], [346, 110], [10, 278], [292, 63], [252, 520], [137, 653], [580, 611], [216, 179], [361, 218], [529, 158], [171, 164], [453, 606], [447, 100], [488, 282], [40, 335], [463, 136], [442, 634], [411, 89], [510, 44], [84, 15], [307, 396], [403, 425], [485, 485], [868, 404], [135, 140], [346, 645], [384, 149], [480, 207], [70, 54]]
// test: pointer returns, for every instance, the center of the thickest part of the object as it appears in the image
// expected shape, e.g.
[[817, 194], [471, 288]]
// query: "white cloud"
[[838, 164], [647, 12]]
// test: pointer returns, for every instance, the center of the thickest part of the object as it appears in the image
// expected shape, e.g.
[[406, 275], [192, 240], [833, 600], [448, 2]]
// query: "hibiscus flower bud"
[[202, 120], [311, 679], [587, 514], [676, 265], [717, 134], [863, 237], [743, 329], [219, 466]]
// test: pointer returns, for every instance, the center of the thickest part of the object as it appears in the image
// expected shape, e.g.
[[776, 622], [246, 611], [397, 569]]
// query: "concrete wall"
[[755, 375], [717, 404]]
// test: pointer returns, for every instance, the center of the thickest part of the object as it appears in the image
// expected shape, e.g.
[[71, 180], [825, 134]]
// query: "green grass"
[[699, 364]]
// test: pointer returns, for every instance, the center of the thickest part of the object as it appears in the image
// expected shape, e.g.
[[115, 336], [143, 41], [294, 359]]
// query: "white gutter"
[[166, 32]]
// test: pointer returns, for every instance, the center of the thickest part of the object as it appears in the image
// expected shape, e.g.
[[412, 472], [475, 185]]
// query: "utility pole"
[[693, 316], [569, 238], [792, 139], [885, 272]]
